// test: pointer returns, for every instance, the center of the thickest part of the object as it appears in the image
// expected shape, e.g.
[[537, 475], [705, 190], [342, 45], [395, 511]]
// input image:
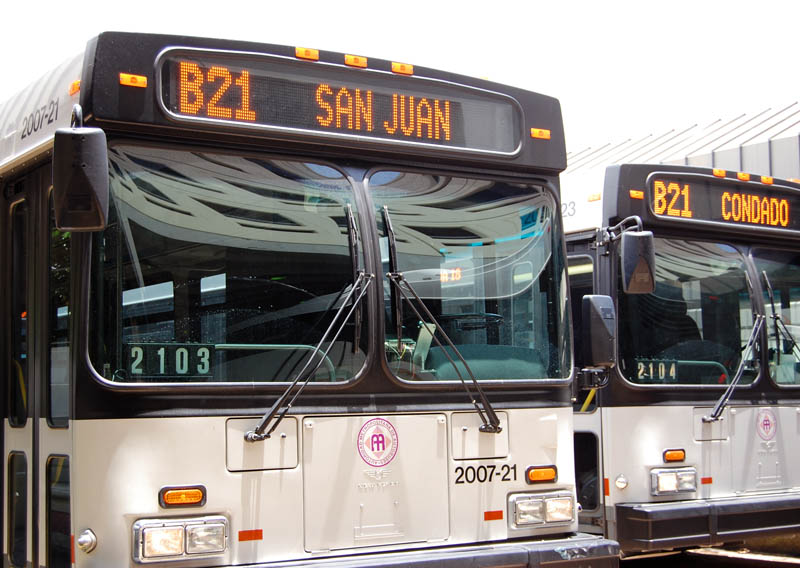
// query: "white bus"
[[691, 439], [270, 305]]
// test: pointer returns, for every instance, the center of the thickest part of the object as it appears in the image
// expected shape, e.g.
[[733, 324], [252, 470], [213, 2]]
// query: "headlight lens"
[[205, 539], [529, 509], [162, 541], [666, 481]]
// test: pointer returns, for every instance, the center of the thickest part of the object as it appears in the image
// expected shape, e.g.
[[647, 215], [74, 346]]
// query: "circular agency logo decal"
[[377, 442], [766, 424]]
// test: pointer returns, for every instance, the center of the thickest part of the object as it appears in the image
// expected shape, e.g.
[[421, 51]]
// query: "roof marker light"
[[306, 53], [594, 197], [768, 180], [636, 194], [74, 87], [402, 68], [355, 61], [742, 176], [130, 80], [719, 172], [540, 133]]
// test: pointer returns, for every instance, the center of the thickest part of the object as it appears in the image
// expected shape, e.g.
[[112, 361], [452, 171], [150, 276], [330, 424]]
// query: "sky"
[[620, 68]]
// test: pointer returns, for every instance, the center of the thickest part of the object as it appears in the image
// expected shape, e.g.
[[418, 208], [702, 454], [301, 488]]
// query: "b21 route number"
[[485, 473]]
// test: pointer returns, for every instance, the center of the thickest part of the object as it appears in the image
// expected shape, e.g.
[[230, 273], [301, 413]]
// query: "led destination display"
[[696, 198], [296, 96]]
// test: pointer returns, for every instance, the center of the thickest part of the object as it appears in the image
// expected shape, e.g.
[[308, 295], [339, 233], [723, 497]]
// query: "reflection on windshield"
[[217, 267], [783, 272], [692, 329], [483, 258]]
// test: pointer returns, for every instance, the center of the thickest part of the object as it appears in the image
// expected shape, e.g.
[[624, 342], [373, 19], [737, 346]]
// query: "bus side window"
[[581, 282], [18, 373]]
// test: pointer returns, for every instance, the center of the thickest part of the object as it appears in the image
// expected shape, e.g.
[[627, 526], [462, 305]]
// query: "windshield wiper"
[[352, 244], [360, 287], [397, 308], [491, 423], [748, 348], [780, 325]]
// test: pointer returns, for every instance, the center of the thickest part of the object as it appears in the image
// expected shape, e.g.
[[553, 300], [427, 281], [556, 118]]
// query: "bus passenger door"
[[19, 423], [587, 415]]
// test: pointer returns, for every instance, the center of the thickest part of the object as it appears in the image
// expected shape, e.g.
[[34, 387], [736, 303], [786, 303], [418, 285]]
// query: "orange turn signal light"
[[74, 87], [182, 496], [719, 173], [355, 61], [636, 194], [541, 474], [129, 80], [674, 455]]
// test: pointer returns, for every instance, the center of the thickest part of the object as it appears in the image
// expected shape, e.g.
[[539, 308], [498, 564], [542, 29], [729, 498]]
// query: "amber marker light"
[[541, 474], [355, 61], [190, 496], [74, 87], [719, 173], [674, 456], [130, 80], [540, 133], [742, 176], [768, 180], [306, 53], [402, 68], [636, 194], [594, 197]]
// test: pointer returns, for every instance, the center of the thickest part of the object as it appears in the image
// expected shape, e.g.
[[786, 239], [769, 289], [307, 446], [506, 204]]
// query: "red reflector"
[[606, 490], [493, 515], [706, 480], [256, 534]]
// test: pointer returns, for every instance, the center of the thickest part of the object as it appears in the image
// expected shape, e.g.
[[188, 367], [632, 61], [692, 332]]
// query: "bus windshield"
[[223, 268], [693, 328], [782, 269], [485, 259]]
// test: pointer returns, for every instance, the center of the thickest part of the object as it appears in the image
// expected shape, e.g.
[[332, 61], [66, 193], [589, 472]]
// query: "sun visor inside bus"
[[80, 179]]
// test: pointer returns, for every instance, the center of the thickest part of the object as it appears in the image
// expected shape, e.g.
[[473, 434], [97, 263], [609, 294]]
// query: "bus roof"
[[130, 81]]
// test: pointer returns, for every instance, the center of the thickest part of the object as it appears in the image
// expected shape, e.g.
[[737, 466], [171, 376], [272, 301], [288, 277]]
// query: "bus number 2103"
[[170, 360]]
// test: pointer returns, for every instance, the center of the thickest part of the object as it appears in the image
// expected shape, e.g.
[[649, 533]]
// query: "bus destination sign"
[[300, 97], [700, 198]]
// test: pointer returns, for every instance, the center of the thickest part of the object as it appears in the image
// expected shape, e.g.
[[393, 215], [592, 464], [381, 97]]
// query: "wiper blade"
[[491, 423], [352, 244], [748, 348], [397, 305], [780, 325], [260, 432]]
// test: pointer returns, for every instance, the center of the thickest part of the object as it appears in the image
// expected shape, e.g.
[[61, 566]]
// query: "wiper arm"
[[491, 423], [352, 245], [397, 305], [748, 348], [302, 378], [780, 325]]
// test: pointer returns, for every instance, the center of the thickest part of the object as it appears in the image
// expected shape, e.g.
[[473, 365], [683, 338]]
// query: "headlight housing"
[[670, 481], [159, 540], [539, 510]]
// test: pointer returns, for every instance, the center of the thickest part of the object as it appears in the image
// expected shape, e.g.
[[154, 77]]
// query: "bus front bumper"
[[578, 551], [644, 527]]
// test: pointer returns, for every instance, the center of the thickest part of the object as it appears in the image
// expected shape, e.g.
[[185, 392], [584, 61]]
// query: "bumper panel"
[[644, 527], [579, 551]]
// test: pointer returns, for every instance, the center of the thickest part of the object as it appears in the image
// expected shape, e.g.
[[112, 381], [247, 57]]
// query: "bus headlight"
[[529, 509], [159, 540], [666, 481]]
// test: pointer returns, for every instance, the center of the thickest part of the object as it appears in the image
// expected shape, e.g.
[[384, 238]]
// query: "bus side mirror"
[[599, 331], [80, 179], [638, 260]]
